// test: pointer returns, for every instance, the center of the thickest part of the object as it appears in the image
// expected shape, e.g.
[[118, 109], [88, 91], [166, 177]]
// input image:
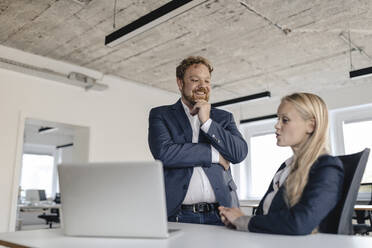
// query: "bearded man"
[[196, 144]]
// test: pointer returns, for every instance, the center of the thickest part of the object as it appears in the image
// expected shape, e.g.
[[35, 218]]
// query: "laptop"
[[125, 199]]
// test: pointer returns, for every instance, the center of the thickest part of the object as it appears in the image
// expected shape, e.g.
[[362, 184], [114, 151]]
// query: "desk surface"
[[190, 235], [250, 204], [363, 207], [38, 206]]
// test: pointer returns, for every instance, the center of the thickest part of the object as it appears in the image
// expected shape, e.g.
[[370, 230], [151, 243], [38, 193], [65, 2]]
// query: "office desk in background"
[[189, 235], [27, 214], [363, 207], [35, 207]]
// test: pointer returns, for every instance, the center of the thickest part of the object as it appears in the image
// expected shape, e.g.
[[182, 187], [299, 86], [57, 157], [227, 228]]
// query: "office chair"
[[354, 165], [57, 199], [54, 216], [50, 218], [361, 217]]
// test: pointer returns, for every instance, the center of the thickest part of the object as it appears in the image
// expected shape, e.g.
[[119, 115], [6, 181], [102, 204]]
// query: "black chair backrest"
[[54, 211], [354, 165], [57, 199]]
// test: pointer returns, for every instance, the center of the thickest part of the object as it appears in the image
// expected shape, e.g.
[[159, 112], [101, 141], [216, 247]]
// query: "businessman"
[[196, 144]]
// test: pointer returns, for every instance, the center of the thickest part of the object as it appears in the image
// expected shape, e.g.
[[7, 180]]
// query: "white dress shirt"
[[280, 177], [278, 180], [200, 189]]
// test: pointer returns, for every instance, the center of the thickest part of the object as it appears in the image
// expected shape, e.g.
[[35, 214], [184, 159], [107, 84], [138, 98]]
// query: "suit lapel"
[[180, 115], [212, 113]]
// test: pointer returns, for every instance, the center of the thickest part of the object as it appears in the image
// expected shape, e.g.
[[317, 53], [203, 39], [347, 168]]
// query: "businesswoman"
[[308, 186]]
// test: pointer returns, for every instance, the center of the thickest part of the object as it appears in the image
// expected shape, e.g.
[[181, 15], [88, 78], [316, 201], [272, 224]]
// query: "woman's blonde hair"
[[310, 107]]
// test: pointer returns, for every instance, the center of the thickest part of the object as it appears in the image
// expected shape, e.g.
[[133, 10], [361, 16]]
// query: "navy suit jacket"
[[170, 141], [314, 209]]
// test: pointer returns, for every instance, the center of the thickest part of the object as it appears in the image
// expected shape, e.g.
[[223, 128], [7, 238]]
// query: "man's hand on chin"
[[203, 109]]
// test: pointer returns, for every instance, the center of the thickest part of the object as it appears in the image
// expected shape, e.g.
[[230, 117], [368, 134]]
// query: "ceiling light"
[[365, 72], [44, 130], [64, 146], [360, 73], [150, 20], [260, 118], [265, 94]]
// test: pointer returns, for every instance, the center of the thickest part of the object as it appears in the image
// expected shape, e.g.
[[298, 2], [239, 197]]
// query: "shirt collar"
[[187, 110], [288, 162]]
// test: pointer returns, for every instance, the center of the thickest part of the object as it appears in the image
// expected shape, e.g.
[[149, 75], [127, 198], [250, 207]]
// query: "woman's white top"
[[242, 222], [278, 180]]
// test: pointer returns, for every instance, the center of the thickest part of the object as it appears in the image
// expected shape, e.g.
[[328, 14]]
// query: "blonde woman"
[[308, 186]]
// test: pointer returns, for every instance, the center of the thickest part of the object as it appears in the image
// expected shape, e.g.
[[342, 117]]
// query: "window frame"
[[250, 130], [346, 115]]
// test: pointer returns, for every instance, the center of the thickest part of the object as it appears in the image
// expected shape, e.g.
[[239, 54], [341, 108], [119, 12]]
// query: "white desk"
[[250, 204], [363, 207], [25, 207], [191, 235]]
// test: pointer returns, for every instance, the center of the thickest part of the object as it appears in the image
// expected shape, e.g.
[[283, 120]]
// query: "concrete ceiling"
[[254, 45]]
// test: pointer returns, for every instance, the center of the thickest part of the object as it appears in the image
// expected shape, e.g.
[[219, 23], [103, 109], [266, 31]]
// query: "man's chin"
[[198, 98], [194, 99]]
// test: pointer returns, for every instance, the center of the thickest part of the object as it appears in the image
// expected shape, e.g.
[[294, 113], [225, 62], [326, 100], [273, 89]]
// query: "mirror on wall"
[[46, 144]]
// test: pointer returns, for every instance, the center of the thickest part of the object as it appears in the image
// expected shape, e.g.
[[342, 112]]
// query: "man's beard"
[[194, 97]]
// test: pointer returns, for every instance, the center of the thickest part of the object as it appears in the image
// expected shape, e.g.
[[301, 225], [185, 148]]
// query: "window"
[[357, 136], [263, 160], [266, 157], [351, 131], [37, 172]]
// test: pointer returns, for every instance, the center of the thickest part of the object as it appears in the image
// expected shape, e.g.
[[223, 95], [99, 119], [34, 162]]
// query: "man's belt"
[[202, 207]]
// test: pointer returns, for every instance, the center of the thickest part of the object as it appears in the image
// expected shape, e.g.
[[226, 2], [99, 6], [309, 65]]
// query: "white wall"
[[117, 119]]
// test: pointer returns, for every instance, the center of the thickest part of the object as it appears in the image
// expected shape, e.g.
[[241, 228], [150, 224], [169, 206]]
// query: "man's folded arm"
[[175, 155], [228, 141]]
